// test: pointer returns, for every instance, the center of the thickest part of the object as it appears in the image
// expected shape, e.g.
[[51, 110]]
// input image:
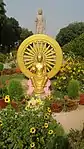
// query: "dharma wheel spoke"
[[47, 49], [51, 53], [27, 53], [34, 46], [53, 60], [49, 66], [29, 66], [32, 49], [29, 62], [44, 47]]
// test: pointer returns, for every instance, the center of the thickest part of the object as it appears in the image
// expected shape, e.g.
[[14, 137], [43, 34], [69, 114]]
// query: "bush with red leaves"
[[81, 99], [56, 107]]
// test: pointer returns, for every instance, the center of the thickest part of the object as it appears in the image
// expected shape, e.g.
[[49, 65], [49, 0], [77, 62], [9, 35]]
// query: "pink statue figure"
[[30, 87], [46, 88]]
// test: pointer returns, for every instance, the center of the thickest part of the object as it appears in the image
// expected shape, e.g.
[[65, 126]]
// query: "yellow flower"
[[32, 145], [64, 78], [50, 132], [46, 125], [79, 70], [32, 130], [50, 97], [82, 71], [71, 76], [70, 63], [73, 72], [38, 101], [49, 110], [59, 87], [55, 83], [7, 99], [0, 123], [69, 68], [74, 68], [26, 108], [70, 71], [46, 116]]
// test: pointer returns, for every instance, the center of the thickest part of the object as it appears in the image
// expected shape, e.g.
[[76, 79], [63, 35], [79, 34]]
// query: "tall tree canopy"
[[10, 33], [2, 16], [70, 32], [76, 46], [2, 11]]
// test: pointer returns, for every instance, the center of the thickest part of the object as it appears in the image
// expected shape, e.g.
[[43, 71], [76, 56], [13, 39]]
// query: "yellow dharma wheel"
[[47, 46]]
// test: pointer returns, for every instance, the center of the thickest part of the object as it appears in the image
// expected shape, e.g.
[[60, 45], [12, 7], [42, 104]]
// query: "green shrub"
[[73, 88], [1, 66], [76, 139], [13, 65], [15, 89], [2, 57]]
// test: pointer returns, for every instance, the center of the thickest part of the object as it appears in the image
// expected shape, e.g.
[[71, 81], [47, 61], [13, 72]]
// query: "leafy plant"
[[76, 139], [2, 57], [15, 89], [13, 65], [72, 68], [73, 89], [1, 66], [3, 90]]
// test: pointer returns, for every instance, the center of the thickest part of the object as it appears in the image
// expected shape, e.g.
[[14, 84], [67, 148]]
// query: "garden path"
[[71, 120]]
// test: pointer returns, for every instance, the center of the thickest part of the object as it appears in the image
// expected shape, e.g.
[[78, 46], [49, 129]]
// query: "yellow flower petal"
[[46, 125], [50, 132], [32, 130], [0, 123], [49, 110], [7, 99], [32, 145]]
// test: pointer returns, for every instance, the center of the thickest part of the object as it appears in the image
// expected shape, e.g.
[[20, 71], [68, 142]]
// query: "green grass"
[[3, 78]]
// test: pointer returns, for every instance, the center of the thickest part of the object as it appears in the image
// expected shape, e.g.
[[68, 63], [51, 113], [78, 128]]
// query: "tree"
[[25, 33], [10, 33], [76, 46], [2, 12], [70, 32], [2, 16]]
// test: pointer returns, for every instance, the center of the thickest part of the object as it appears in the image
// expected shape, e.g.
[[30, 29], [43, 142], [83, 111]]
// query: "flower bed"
[[4, 104], [30, 129], [10, 71]]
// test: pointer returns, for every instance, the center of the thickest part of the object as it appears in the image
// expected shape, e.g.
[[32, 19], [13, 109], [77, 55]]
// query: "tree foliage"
[[2, 16], [25, 33], [11, 33], [76, 46], [2, 12], [70, 32]]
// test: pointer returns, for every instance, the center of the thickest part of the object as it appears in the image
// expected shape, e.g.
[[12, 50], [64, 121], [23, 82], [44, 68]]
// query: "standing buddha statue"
[[40, 22]]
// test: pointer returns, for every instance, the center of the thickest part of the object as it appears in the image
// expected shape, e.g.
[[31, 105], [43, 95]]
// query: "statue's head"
[[39, 57], [40, 12]]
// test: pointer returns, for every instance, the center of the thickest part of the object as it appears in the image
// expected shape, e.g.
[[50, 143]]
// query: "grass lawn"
[[4, 78]]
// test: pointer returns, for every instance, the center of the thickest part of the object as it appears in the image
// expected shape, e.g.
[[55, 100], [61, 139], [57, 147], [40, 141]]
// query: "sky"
[[58, 13]]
